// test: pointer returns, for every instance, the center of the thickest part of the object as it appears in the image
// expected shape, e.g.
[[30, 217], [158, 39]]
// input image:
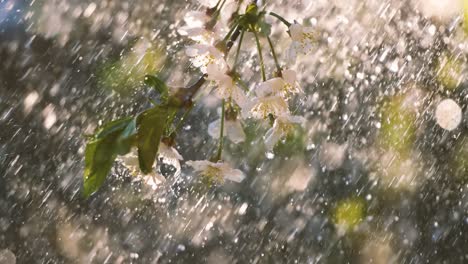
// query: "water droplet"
[[448, 114], [270, 155]]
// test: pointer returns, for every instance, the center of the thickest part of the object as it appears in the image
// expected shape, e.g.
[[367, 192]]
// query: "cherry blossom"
[[284, 86], [226, 88], [282, 126], [170, 156], [303, 39], [130, 161], [273, 104], [219, 171], [203, 55], [232, 129]]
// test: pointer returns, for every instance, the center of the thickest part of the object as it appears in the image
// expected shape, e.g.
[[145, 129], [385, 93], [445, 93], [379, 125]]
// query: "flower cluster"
[[212, 32], [271, 97]]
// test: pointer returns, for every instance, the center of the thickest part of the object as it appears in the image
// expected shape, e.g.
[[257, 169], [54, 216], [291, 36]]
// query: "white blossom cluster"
[[268, 102]]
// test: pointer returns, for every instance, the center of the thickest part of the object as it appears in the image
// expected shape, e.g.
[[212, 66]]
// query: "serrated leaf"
[[158, 85], [150, 128]]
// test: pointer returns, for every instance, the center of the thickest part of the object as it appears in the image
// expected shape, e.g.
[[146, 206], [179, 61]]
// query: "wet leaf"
[[99, 157], [150, 128], [127, 138], [116, 137], [111, 127], [158, 85]]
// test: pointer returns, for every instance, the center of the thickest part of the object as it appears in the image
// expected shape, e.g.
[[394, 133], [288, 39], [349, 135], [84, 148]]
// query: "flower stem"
[[217, 4], [221, 133], [218, 8], [228, 35], [238, 6], [242, 83], [259, 48], [238, 50], [288, 24], [278, 67]]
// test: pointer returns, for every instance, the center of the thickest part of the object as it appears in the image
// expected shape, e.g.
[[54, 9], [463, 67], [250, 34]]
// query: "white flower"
[[195, 28], [226, 87], [208, 3], [217, 171], [204, 55], [130, 161], [196, 19], [169, 152], [232, 130], [198, 34], [303, 38], [284, 86], [170, 156], [153, 180], [281, 127], [273, 104]]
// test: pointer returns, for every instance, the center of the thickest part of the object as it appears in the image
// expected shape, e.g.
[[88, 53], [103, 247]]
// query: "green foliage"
[[125, 74], [127, 138], [112, 139], [119, 136], [159, 86], [150, 129]]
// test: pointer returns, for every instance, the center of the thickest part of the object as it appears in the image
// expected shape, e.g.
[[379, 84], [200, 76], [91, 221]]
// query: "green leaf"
[[158, 85], [99, 157], [116, 137], [113, 126], [171, 114], [150, 128], [127, 138]]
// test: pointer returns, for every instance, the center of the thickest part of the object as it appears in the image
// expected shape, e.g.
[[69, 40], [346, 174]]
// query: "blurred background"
[[378, 174]]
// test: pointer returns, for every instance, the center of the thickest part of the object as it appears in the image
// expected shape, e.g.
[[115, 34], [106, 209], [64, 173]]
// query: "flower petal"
[[234, 175], [169, 152], [296, 31], [214, 128], [290, 76], [234, 130], [272, 136]]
